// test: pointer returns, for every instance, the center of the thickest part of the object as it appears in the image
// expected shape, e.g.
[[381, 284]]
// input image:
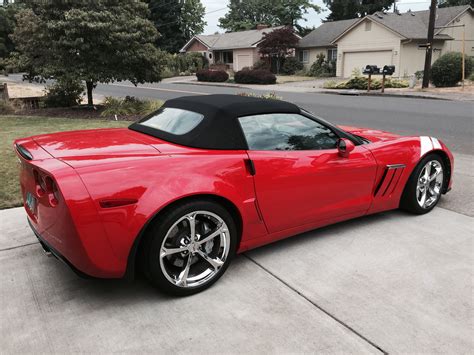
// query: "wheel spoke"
[[170, 251], [427, 171], [192, 225], [215, 263], [183, 276], [423, 198], [220, 229]]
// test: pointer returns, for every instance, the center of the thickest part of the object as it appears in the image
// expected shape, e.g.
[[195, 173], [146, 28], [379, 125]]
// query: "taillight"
[[45, 185]]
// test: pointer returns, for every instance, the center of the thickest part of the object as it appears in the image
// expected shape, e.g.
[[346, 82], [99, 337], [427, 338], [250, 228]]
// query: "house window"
[[303, 56], [225, 57], [368, 25], [332, 55]]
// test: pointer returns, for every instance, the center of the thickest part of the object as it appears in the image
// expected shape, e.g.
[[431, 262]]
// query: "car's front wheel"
[[188, 248], [424, 187]]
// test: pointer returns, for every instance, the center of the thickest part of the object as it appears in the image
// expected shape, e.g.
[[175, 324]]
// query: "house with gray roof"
[[237, 50], [389, 39]]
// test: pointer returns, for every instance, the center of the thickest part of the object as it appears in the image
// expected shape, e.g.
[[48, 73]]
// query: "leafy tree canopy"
[[7, 26], [94, 41], [278, 44], [177, 21], [447, 3], [348, 9], [247, 14]]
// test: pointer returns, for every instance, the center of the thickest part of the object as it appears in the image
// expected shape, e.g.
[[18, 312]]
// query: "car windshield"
[[173, 120]]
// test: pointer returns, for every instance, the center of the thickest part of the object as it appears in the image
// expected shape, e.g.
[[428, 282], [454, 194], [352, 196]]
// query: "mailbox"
[[371, 69], [388, 69]]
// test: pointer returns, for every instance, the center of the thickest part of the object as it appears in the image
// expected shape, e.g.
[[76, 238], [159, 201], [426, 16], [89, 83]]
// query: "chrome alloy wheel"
[[194, 249], [430, 183]]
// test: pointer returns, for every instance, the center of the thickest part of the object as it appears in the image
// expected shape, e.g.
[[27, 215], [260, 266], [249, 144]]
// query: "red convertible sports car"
[[180, 192]]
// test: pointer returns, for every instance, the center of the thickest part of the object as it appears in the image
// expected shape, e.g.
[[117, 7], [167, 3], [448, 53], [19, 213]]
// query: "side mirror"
[[345, 147]]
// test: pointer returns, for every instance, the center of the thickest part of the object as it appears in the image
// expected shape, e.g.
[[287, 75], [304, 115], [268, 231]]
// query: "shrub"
[[396, 83], [255, 76], [65, 92], [322, 68], [361, 82], [291, 65], [215, 76], [270, 96], [471, 77], [129, 106], [261, 64], [178, 64], [447, 69], [6, 107]]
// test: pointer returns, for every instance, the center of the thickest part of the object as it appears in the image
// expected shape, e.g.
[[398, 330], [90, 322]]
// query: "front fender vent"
[[389, 180]]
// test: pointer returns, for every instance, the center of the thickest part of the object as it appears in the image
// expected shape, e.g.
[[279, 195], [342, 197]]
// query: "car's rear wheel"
[[189, 247], [424, 188]]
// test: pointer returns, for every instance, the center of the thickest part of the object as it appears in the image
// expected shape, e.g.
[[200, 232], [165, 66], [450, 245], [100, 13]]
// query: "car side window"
[[286, 131]]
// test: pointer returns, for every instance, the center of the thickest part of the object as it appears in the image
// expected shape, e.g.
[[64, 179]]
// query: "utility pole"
[[429, 45]]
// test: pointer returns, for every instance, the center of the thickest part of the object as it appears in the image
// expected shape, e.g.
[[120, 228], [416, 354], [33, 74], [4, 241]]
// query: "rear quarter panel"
[[159, 181]]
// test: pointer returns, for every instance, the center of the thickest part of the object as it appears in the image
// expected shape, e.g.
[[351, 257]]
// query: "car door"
[[299, 176]]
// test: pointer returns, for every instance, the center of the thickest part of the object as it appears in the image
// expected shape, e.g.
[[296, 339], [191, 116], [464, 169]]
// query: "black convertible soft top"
[[220, 128]]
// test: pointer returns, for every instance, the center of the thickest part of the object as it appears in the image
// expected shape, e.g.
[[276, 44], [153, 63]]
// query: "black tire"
[[156, 232], [409, 201]]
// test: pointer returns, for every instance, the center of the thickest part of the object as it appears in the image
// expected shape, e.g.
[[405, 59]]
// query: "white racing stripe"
[[425, 145], [436, 144]]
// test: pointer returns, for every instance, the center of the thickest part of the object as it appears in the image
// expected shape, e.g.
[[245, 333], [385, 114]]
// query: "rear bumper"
[[49, 249]]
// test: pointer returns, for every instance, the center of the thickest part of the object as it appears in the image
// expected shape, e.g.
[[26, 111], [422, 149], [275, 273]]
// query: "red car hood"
[[96, 144], [372, 135]]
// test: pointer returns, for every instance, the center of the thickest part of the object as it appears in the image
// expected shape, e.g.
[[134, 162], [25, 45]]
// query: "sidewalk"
[[316, 86]]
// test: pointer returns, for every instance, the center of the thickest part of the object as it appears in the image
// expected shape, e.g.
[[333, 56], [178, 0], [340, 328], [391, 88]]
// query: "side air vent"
[[24, 152], [389, 180]]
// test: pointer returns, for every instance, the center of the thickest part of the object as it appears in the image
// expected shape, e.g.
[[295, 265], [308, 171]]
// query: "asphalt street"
[[451, 121], [387, 283]]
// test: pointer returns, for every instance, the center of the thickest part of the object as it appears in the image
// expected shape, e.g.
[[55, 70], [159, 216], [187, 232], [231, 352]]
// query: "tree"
[[278, 44], [7, 26], [348, 9], [97, 41], [177, 21], [447, 3], [247, 14]]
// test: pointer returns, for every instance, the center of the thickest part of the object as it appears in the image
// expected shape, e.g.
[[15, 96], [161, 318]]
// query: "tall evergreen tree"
[[247, 14], [177, 21], [348, 9]]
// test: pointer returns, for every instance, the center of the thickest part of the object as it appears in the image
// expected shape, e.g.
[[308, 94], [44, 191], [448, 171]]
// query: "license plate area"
[[31, 202]]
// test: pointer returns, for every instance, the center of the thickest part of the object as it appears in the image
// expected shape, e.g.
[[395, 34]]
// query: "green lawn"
[[12, 127]]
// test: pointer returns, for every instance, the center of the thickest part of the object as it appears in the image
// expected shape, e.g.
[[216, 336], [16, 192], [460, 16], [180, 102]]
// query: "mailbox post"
[[370, 70], [387, 70]]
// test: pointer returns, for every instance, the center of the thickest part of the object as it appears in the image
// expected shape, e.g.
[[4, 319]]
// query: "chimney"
[[261, 26]]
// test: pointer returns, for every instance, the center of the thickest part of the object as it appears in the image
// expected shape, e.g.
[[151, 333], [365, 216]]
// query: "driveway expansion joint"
[[348, 327], [18, 246]]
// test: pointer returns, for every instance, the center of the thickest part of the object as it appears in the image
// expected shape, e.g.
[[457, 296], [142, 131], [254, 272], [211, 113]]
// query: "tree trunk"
[[90, 87]]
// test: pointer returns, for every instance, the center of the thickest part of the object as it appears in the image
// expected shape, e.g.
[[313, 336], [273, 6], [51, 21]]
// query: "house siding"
[[412, 58], [360, 40], [245, 57], [466, 19], [197, 46], [313, 55]]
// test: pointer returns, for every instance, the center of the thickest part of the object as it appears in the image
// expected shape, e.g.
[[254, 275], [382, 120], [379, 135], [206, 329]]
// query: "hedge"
[[216, 76], [255, 76]]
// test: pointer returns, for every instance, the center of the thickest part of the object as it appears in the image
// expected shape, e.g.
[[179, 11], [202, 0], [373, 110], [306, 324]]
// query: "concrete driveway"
[[391, 282]]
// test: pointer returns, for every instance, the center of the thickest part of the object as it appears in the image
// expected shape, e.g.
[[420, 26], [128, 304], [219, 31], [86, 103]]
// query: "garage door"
[[243, 60], [360, 59]]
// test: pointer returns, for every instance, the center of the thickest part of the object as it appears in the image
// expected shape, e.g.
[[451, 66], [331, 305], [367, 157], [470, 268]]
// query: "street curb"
[[379, 94], [210, 84]]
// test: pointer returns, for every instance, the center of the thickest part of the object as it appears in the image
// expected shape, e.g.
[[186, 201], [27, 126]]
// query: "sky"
[[217, 8]]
